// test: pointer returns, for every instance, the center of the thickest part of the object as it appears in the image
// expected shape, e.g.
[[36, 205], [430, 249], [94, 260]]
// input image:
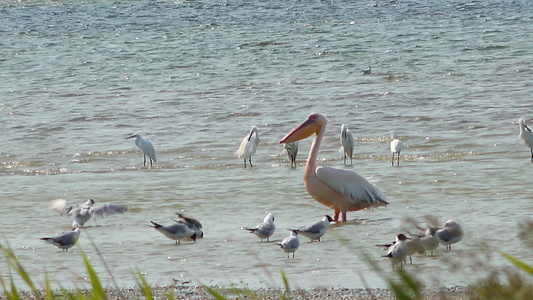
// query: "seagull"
[[347, 143], [192, 223], [290, 244], [451, 233], [526, 135], [396, 146], [413, 246], [83, 213], [249, 146], [397, 252], [146, 146], [64, 240], [292, 150], [176, 231], [340, 189], [316, 230], [430, 240], [367, 71], [265, 229]]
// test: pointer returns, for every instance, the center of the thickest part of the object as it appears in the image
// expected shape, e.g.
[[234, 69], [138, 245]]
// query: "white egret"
[[146, 146], [396, 146], [525, 135], [292, 151], [64, 240], [340, 189], [347, 143], [249, 146], [290, 244], [176, 231]]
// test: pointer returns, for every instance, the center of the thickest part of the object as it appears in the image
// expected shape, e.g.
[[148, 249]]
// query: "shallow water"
[[451, 79]]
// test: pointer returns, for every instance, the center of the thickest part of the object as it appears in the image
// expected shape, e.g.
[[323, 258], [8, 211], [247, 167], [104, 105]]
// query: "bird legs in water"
[[151, 165], [399, 158], [336, 216], [250, 160]]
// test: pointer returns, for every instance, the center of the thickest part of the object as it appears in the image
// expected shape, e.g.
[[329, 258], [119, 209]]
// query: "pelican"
[[526, 135], [83, 213], [290, 244], [451, 233], [146, 146], [316, 230], [396, 146], [342, 190], [367, 71], [249, 146], [398, 251], [176, 231], [264, 230], [347, 143], [64, 240], [292, 150]]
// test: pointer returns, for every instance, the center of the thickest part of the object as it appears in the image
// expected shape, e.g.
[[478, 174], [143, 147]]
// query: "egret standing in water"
[[249, 146], [396, 146], [526, 135], [347, 143], [340, 189], [292, 151], [146, 146]]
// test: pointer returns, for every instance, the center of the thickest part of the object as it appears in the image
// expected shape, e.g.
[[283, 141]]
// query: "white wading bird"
[[64, 240], [264, 230], [248, 146], [292, 151], [176, 231], [451, 233], [396, 146], [83, 213], [290, 244], [347, 143], [525, 135], [316, 230], [398, 251], [146, 146], [342, 190]]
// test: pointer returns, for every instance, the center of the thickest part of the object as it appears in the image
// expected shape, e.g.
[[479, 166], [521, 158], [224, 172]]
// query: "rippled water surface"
[[451, 78]]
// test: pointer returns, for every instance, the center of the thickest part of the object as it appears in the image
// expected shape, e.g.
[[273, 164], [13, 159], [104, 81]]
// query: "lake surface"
[[450, 78]]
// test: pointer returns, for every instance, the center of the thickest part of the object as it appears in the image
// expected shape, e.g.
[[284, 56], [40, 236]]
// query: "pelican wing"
[[351, 186]]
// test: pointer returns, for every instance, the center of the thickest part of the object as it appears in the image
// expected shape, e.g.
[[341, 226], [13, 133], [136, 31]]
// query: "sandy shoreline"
[[197, 292]]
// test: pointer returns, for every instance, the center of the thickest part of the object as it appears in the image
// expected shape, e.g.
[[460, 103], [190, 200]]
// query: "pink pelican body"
[[340, 189]]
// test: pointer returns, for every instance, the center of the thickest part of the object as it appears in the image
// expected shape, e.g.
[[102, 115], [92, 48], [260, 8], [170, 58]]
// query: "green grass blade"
[[98, 291], [214, 293], [520, 264], [143, 285]]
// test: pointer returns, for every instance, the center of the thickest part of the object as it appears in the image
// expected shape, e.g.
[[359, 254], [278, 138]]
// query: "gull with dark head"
[[290, 244], [64, 240], [316, 230], [398, 251], [192, 223], [176, 231]]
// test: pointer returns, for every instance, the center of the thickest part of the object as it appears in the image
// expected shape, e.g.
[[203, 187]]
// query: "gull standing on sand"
[[290, 244], [249, 146], [396, 146], [83, 213], [292, 151], [192, 223], [347, 143], [340, 189], [525, 135], [316, 230], [64, 240], [264, 230], [451, 233], [176, 231], [398, 251], [146, 146]]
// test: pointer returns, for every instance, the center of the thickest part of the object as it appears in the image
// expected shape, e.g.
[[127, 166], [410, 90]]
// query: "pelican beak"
[[305, 130]]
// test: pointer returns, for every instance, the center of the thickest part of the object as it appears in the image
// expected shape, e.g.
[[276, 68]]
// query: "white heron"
[[525, 135], [290, 244], [292, 151], [64, 240], [249, 146], [367, 71], [347, 143], [146, 146], [396, 146]]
